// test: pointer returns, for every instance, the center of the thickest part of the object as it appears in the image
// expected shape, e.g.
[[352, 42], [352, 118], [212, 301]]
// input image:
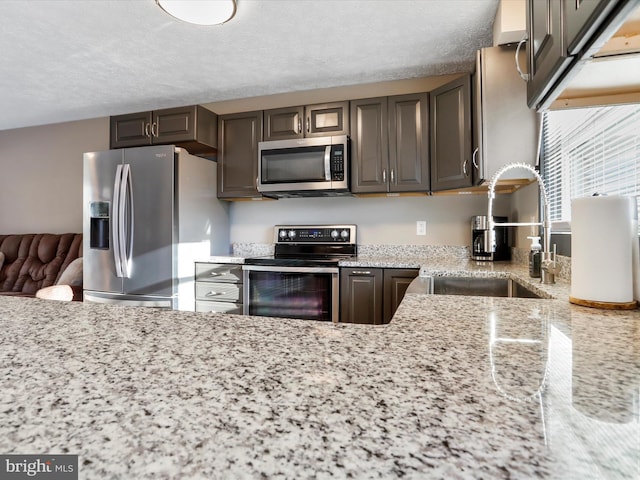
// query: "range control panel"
[[315, 234]]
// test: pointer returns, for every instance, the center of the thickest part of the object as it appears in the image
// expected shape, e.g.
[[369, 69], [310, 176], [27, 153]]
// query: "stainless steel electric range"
[[301, 279]]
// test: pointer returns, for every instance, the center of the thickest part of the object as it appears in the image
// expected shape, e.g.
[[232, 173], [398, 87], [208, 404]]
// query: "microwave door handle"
[[327, 163]]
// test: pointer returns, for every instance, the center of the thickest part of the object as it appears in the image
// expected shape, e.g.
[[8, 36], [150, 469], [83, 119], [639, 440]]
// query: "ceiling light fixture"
[[200, 12]]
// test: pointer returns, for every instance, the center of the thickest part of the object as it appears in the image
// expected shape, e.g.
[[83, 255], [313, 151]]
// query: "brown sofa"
[[29, 262]]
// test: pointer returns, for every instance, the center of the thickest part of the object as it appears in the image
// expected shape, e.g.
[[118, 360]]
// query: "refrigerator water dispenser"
[[99, 235]]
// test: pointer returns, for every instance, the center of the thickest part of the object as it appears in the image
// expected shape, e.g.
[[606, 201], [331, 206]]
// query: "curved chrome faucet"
[[548, 265]]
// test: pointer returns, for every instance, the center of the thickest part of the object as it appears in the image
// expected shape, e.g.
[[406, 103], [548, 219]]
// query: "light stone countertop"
[[453, 387]]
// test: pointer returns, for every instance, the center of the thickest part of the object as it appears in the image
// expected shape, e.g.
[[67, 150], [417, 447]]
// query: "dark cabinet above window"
[[568, 41]]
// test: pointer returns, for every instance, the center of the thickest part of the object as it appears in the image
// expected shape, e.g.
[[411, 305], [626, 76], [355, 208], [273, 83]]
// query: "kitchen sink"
[[477, 286]]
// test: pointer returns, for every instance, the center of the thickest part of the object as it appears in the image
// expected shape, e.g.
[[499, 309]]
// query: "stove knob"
[[334, 233], [344, 234], [283, 233], [292, 233]]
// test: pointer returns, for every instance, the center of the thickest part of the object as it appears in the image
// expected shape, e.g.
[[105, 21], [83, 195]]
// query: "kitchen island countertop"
[[453, 387]]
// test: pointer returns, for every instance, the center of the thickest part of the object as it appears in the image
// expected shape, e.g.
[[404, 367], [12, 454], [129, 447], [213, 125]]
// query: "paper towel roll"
[[602, 249], [636, 251]]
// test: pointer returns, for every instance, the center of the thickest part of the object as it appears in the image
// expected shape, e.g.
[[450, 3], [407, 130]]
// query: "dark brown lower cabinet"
[[396, 281], [372, 295]]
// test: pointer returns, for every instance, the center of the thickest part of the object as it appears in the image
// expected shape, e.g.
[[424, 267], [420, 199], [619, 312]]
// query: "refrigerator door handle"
[[115, 232], [125, 236]]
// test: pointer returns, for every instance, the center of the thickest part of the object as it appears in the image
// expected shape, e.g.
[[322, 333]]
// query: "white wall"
[[41, 175], [380, 220], [524, 208]]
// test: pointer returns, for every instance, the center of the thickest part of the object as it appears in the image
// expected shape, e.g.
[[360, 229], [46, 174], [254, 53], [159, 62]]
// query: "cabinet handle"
[[308, 124], [524, 76], [393, 175], [146, 130], [218, 274], [384, 175], [213, 294], [464, 167], [360, 272], [475, 154], [154, 129], [299, 126]]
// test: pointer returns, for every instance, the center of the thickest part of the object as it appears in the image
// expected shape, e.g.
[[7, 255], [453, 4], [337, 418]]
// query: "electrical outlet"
[[421, 227]]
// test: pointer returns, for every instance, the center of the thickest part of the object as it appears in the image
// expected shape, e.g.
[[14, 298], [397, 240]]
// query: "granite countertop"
[[453, 387]]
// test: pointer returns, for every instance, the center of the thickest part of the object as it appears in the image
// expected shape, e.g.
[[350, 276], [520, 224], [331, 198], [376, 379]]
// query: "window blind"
[[587, 151]]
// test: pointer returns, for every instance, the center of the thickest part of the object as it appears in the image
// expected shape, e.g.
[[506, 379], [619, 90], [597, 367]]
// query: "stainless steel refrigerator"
[[149, 214]]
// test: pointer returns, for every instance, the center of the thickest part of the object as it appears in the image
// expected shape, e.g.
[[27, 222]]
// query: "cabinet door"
[[327, 119], [369, 145], [503, 124], [451, 135], [547, 52], [238, 137], [174, 125], [396, 281], [284, 123], [409, 143], [193, 127], [131, 130], [581, 19], [361, 295]]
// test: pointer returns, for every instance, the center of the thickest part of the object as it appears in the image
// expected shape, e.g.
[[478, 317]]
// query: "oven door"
[[309, 293]]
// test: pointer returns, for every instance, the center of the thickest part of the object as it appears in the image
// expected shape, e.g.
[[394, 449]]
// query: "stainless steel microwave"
[[304, 167]]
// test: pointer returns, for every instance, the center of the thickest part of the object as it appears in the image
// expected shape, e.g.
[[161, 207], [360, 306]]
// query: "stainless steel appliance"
[[479, 251], [149, 213], [304, 167], [301, 279]]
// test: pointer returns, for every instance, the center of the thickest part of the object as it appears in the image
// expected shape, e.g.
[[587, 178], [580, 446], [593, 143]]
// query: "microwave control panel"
[[337, 163]]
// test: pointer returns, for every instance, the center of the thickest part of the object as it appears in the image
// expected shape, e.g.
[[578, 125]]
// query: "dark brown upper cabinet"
[[369, 145], [390, 144], [547, 48], [563, 37], [581, 20], [409, 143], [239, 134], [505, 129], [451, 162], [192, 127], [307, 121]]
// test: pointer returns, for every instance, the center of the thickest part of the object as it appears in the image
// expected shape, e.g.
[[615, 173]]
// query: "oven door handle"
[[277, 269]]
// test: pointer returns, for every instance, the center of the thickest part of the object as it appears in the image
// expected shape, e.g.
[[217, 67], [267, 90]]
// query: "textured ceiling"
[[67, 60]]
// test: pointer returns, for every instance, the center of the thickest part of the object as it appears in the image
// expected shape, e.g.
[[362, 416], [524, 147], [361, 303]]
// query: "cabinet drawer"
[[216, 272], [219, 307], [220, 292]]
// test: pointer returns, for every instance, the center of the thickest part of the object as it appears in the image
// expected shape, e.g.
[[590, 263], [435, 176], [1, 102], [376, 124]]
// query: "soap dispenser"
[[534, 257]]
